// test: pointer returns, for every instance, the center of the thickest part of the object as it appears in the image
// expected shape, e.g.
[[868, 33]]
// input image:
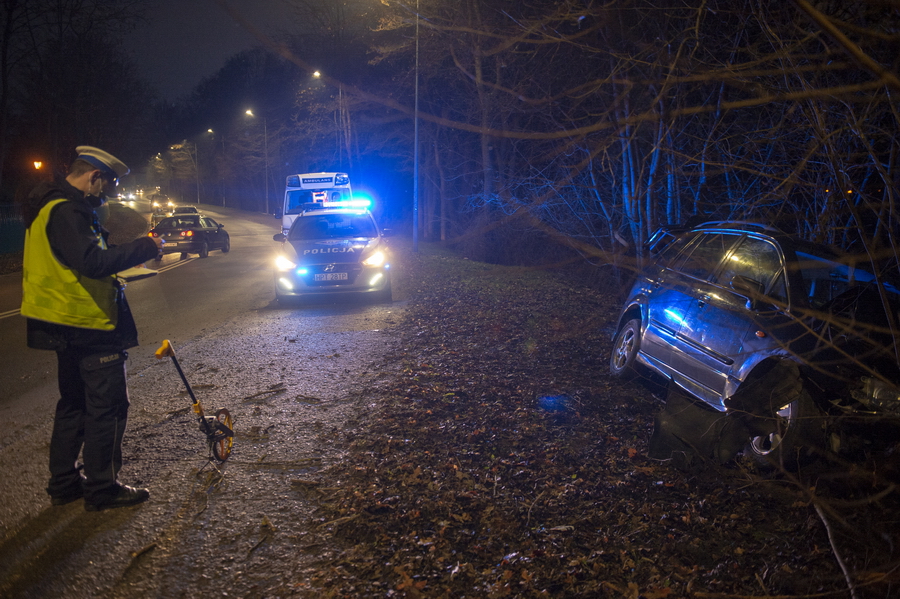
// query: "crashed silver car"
[[786, 344], [333, 251]]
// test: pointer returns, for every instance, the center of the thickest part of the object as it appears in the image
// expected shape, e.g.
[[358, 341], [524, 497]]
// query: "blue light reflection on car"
[[675, 316]]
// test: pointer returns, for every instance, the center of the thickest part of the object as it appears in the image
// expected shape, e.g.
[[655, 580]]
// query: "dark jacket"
[[72, 234]]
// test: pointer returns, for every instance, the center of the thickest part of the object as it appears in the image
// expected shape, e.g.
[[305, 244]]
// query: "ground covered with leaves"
[[503, 461]]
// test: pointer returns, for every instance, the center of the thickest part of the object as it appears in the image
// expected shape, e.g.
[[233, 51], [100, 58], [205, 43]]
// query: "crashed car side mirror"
[[278, 237], [749, 288]]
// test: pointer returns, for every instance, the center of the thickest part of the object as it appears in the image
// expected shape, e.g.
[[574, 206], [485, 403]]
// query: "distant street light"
[[266, 146], [38, 164]]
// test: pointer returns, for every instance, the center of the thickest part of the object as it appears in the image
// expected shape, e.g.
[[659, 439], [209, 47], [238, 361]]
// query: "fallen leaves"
[[502, 461]]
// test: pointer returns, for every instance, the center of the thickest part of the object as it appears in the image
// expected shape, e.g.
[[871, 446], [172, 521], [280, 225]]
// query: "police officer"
[[75, 305]]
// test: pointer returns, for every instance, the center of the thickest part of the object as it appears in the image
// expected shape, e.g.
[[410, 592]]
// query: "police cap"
[[104, 161]]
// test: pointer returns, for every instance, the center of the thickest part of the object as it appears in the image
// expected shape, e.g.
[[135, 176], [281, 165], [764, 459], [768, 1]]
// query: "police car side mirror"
[[278, 237]]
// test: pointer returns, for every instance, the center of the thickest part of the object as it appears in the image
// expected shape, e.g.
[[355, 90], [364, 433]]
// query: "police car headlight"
[[282, 264], [377, 259]]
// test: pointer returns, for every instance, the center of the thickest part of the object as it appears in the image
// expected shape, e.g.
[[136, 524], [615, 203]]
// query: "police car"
[[332, 250]]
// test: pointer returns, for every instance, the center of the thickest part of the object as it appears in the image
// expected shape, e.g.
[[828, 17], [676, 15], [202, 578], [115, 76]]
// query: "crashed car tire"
[[625, 350], [789, 436]]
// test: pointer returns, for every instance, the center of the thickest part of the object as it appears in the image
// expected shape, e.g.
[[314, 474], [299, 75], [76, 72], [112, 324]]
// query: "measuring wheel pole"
[[167, 350]]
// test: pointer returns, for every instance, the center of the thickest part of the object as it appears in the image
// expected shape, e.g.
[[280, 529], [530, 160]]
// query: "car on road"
[[161, 203], [333, 251], [191, 234], [797, 343]]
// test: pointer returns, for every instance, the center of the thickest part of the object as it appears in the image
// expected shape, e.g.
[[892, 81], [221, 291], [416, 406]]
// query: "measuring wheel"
[[222, 439]]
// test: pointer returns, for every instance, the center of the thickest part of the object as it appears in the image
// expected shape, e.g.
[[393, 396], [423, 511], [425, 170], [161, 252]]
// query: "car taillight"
[[187, 233], [152, 234]]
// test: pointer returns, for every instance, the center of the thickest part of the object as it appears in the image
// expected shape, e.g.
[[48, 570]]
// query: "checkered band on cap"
[[104, 161]]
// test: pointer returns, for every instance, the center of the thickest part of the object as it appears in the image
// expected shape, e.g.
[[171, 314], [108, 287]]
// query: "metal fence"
[[12, 229]]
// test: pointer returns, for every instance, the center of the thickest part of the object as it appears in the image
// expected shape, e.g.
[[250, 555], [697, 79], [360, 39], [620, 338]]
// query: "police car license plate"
[[331, 276]]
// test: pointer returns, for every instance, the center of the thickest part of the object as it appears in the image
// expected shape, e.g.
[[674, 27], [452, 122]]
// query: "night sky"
[[189, 40]]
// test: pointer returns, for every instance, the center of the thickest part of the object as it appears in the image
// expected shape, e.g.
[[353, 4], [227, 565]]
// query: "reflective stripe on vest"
[[55, 293]]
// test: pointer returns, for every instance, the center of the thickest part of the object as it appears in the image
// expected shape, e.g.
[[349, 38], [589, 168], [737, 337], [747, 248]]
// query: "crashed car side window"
[[702, 258], [670, 251], [758, 260]]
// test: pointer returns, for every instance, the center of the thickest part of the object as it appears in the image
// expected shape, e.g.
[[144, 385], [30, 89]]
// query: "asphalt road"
[[238, 347], [188, 296]]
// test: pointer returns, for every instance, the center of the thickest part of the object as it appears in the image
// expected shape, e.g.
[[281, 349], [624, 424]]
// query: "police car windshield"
[[332, 226]]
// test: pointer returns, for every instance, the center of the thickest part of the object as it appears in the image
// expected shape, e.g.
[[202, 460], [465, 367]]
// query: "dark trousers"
[[90, 419]]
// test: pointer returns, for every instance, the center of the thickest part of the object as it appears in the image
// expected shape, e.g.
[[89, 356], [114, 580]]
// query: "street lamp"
[[266, 149], [416, 146]]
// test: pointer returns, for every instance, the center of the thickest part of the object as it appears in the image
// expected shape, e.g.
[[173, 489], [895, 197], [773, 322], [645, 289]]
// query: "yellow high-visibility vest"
[[53, 292]]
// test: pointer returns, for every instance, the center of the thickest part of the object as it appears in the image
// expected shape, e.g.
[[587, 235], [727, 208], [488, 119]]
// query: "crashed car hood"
[[331, 250]]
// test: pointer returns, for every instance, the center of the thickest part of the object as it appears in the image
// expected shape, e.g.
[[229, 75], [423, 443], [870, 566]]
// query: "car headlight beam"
[[282, 264], [375, 260]]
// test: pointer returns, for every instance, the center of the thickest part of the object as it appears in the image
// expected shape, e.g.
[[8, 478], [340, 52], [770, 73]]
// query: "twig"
[[541, 494], [834, 549], [339, 520], [261, 541], [136, 555]]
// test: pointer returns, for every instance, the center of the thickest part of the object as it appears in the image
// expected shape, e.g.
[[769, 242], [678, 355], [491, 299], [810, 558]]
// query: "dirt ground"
[[473, 447]]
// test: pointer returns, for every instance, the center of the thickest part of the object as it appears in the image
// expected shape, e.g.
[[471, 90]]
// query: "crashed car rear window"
[[332, 226]]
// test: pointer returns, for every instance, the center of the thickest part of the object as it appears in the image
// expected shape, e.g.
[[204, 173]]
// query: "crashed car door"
[[714, 330], [672, 294]]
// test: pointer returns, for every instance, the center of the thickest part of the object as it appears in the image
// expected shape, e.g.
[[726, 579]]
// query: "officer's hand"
[[159, 242]]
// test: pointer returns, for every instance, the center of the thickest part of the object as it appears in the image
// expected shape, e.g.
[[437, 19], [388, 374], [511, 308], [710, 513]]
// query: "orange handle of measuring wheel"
[[165, 350]]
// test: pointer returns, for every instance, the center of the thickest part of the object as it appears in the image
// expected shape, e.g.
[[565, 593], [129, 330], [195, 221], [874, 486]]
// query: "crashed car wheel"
[[788, 437], [204, 250], [625, 349]]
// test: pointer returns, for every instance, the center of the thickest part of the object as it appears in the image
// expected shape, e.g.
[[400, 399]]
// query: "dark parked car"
[[333, 251], [795, 342], [191, 234]]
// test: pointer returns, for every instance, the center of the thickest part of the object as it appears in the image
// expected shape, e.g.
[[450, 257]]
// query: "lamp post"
[[266, 149], [416, 145], [341, 125]]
